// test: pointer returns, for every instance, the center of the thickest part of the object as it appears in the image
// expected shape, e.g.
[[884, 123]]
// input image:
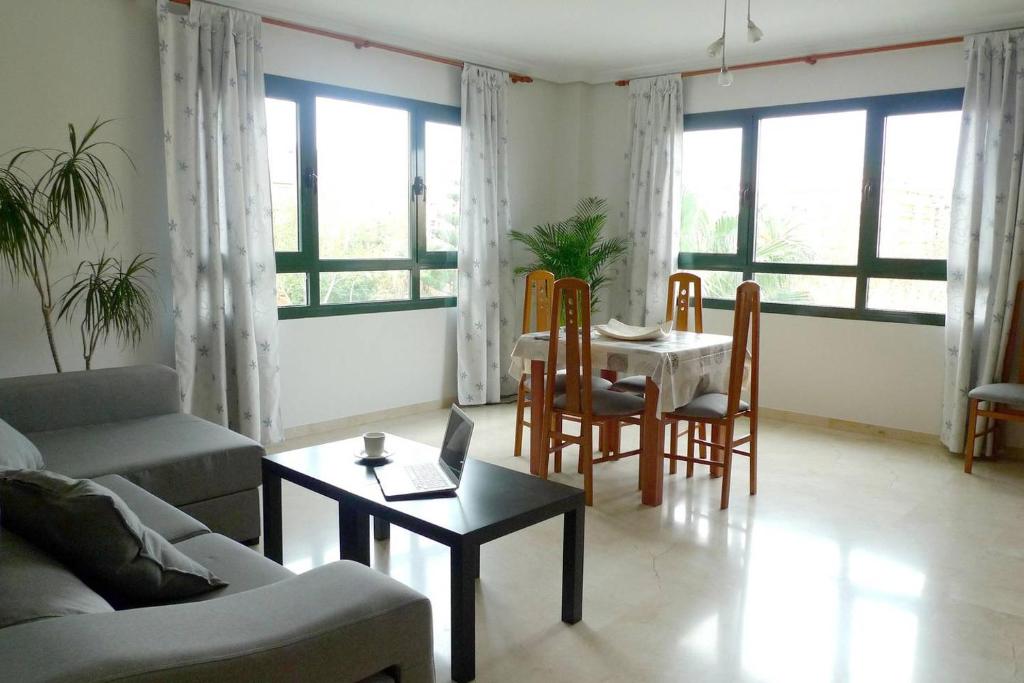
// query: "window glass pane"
[[718, 284], [808, 290], [443, 152], [917, 184], [711, 190], [292, 289], [362, 179], [438, 283], [354, 287], [916, 296], [809, 180], [282, 139]]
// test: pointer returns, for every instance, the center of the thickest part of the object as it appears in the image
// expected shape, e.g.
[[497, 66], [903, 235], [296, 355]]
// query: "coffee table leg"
[[381, 529], [272, 544], [572, 566], [354, 534], [465, 559]]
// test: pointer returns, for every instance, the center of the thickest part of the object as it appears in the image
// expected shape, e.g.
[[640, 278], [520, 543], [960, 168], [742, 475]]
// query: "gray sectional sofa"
[[128, 421], [339, 622]]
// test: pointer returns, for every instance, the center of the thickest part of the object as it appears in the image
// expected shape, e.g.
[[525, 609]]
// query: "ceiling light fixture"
[[724, 75], [754, 32]]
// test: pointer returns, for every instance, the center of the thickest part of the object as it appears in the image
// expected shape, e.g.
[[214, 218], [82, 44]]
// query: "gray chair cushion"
[[595, 383], [609, 403], [33, 585], [636, 385], [166, 520], [90, 529], [708, 405], [999, 393], [179, 458], [243, 568], [17, 452]]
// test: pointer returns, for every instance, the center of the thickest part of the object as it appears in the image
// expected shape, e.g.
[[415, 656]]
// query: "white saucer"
[[362, 457]]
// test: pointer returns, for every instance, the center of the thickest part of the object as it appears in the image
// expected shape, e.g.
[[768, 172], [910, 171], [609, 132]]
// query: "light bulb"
[[754, 33], [725, 77], [715, 48]]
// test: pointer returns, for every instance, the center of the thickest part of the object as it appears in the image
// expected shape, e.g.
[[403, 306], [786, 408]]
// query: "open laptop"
[[428, 479]]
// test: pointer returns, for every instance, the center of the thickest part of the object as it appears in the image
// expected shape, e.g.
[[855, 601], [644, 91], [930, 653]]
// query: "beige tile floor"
[[860, 559]]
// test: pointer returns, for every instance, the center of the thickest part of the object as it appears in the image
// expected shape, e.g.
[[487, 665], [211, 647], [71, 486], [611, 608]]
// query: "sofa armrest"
[[39, 403], [339, 622]]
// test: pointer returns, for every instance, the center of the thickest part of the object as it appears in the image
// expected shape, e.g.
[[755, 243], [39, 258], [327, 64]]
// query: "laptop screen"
[[456, 441]]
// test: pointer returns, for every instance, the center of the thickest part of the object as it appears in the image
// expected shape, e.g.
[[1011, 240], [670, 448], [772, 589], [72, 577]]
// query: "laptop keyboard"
[[426, 476]]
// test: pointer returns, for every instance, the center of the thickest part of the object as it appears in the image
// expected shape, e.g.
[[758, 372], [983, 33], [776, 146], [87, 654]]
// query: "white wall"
[[64, 62], [885, 374]]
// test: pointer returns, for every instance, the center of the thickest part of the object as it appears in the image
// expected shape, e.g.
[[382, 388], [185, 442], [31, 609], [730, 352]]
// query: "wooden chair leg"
[[753, 456], [689, 449], [547, 438], [556, 422], [602, 439], [727, 463], [703, 433], [587, 461], [972, 426], [673, 448], [520, 412]]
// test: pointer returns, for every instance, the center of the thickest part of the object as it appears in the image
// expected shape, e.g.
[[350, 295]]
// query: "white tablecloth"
[[683, 365]]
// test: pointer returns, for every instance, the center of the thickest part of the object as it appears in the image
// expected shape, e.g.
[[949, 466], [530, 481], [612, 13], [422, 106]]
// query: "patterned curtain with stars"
[[986, 233], [654, 205], [486, 299], [218, 203]]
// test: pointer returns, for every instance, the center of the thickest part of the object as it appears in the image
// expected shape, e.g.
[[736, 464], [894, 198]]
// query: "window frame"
[[869, 265], [307, 259]]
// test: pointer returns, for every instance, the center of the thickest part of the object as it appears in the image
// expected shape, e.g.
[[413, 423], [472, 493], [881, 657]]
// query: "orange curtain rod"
[[815, 58], [361, 43]]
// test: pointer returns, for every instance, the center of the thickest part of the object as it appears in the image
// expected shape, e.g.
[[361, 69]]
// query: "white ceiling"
[[602, 40]]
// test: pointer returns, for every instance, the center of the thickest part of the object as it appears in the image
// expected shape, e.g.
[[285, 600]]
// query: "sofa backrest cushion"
[[39, 403], [33, 585], [91, 530], [17, 452]]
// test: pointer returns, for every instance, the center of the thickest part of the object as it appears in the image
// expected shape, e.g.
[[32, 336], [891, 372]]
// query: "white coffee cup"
[[373, 444]]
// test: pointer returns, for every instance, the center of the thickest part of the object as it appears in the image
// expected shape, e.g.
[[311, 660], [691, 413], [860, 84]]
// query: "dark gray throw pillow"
[[90, 529], [16, 451]]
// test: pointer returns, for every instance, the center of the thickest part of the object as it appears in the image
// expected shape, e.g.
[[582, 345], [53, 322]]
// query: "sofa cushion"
[[166, 520], [243, 568], [90, 529], [177, 457], [33, 585], [17, 452]]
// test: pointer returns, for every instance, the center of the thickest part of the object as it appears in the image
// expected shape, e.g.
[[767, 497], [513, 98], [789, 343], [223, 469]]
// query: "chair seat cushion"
[[242, 568], [637, 385], [179, 458], [609, 403], [595, 383], [999, 393], [708, 405], [165, 519]]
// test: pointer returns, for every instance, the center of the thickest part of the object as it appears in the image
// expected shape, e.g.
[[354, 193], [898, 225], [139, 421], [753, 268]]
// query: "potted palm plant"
[[573, 247]]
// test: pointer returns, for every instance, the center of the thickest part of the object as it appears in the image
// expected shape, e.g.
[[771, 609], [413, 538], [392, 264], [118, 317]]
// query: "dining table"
[[679, 367]]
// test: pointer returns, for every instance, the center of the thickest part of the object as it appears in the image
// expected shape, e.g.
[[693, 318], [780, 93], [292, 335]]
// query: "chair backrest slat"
[[539, 285], [682, 288], [570, 300], [746, 337]]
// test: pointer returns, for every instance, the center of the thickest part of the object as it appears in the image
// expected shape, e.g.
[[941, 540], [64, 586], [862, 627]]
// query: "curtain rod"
[[360, 43], [815, 58]]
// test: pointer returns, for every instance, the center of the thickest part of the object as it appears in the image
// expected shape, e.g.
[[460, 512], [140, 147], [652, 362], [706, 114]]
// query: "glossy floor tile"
[[860, 559]]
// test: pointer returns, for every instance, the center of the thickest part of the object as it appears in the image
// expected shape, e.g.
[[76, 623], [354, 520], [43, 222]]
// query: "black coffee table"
[[492, 502]]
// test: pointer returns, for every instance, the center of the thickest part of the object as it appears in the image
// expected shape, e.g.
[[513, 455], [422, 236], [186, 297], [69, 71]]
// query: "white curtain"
[[218, 203], [655, 194], [986, 239], [485, 302]]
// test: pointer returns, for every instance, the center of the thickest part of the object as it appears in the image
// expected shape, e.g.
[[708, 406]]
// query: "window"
[[365, 192], [838, 209]]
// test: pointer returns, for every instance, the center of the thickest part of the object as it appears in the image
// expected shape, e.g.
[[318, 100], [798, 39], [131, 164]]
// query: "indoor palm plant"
[[573, 247], [49, 198]]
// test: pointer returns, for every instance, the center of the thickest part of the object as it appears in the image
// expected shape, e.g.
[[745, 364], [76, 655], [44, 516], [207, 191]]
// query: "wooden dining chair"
[[1006, 399], [580, 401], [720, 411], [684, 297]]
